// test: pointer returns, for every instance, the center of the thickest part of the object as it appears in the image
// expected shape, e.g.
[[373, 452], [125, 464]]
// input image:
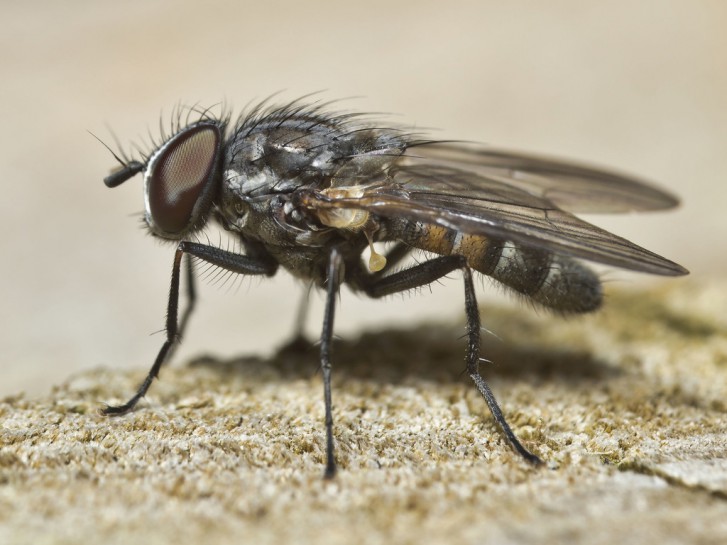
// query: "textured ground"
[[628, 407]]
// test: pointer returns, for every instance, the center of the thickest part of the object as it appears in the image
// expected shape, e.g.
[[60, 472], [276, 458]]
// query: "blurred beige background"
[[640, 86]]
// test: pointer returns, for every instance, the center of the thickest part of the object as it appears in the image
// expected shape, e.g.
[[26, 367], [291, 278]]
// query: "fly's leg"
[[191, 303], [302, 314], [298, 342], [233, 262], [473, 364], [334, 278], [423, 274]]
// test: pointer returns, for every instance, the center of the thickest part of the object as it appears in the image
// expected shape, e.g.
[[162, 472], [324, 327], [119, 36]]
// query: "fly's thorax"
[[275, 161], [261, 219], [262, 223], [275, 222], [552, 280], [282, 154]]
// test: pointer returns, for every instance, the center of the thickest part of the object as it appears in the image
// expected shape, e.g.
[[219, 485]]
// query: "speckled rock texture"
[[628, 407]]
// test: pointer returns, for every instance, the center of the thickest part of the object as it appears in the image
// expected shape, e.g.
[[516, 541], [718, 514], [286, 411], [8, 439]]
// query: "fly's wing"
[[491, 206], [570, 186]]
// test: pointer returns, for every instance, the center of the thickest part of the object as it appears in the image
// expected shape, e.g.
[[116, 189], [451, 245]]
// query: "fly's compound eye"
[[181, 180]]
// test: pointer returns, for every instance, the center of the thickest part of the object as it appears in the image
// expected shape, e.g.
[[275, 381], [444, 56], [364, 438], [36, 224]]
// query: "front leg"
[[233, 262], [423, 274]]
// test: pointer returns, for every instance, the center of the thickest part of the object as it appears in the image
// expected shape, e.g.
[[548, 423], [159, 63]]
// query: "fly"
[[309, 190]]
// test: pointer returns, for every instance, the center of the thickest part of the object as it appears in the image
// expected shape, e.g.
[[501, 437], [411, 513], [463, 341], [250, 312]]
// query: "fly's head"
[[182, 178]]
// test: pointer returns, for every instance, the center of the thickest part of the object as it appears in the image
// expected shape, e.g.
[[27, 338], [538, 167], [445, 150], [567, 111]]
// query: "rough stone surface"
[[627, 406]]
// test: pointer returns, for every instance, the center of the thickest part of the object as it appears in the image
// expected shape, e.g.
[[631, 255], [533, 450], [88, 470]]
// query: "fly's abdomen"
[[554, 281]]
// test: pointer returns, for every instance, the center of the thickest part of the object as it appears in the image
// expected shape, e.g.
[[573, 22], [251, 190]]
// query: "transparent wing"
[[571, 186], [499, 206]]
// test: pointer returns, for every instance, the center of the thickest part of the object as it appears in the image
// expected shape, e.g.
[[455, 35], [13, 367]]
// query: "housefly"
[[309, 190]]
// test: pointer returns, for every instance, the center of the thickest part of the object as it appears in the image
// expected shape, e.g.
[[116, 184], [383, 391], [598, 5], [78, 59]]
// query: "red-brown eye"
[[181, 179]]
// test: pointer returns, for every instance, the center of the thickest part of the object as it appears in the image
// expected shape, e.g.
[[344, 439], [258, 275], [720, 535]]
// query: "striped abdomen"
[[557, 282]]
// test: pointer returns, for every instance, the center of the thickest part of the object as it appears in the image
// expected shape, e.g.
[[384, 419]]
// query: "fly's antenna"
[[128, 168]]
